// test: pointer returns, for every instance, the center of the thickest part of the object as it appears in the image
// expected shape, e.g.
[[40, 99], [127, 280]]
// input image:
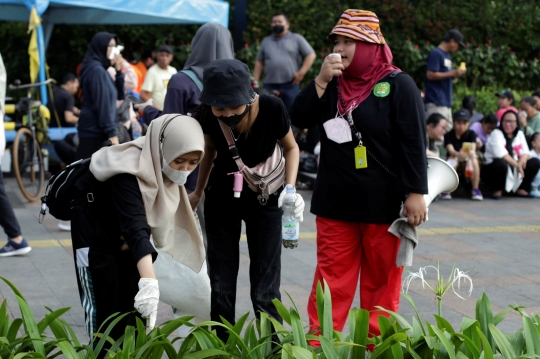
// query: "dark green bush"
[[502, 35]]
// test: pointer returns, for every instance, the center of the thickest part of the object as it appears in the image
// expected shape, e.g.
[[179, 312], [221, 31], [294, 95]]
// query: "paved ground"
[[497, 241]]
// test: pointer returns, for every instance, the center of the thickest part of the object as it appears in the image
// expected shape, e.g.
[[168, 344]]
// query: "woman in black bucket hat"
[[255, 123]]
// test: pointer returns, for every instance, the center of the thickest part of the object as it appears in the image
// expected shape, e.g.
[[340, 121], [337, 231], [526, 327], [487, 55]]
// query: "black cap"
[[455, 35], [506, 94], [165, 48], [226, 83], [462, 114]]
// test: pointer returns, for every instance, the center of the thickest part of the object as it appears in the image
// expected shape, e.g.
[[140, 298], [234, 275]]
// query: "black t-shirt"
[[272, 124], [63, 101], [451, 139], [393, 129]]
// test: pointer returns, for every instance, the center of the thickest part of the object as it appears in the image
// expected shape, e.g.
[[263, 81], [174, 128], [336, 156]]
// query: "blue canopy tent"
[[110, 12]]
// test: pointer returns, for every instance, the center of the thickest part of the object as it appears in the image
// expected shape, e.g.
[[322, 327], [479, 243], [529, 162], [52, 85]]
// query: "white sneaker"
[[476, 195], [65, 225], [446, 196]]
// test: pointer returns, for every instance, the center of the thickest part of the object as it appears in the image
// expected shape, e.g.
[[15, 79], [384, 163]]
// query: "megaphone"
[[441, 178]]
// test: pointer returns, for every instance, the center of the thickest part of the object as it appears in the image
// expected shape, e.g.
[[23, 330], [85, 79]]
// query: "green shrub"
[[476, 338], [501, 24], [486, 101], [486, 66]]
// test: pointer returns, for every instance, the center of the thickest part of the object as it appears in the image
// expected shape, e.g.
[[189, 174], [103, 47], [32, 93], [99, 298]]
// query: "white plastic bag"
[[183, 289]]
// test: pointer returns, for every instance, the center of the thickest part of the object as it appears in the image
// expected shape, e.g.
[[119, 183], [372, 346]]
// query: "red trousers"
[[347, 251]]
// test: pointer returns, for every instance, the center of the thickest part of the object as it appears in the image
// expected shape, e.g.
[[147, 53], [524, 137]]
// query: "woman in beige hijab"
[[133, 191]]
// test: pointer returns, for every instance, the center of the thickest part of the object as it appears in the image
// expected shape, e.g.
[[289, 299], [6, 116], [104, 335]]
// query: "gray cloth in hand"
[[409, 240]]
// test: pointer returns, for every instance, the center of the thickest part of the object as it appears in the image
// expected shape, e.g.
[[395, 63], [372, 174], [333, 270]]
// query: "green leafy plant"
[[266, 337]]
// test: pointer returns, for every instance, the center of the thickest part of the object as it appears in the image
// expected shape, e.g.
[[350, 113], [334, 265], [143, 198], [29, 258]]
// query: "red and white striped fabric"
[[360, 25]]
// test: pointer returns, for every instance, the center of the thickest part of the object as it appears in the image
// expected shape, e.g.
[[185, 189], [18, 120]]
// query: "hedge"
[[505, 31]]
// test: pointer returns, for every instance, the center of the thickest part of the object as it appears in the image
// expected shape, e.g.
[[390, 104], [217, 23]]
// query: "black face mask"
[[278, 29], [234, 120]]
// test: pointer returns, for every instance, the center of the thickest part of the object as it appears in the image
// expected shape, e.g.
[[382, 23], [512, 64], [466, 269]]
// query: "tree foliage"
[[507, 26]]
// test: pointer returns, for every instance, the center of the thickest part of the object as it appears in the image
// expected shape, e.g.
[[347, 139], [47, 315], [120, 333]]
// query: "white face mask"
[[178, 177]]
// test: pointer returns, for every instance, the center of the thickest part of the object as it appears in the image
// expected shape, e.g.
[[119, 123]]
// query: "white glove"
[[147, 299], [299, 203]]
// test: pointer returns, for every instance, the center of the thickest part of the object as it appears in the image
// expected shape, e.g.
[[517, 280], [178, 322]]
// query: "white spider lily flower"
[[441, 286], [417, 275], [458, 276]]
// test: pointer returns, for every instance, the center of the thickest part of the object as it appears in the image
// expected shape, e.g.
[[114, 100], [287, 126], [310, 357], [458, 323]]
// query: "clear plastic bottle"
[[290, 226], [135, 133]]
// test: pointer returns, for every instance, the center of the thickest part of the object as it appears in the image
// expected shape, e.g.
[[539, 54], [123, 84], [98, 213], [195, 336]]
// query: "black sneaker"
[[13, 248]]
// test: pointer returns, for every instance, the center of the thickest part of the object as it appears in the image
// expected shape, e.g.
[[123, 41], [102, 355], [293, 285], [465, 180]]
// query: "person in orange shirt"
[[143, 66], [140, 75]]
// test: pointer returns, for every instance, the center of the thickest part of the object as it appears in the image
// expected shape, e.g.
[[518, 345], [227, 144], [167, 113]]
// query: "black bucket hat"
[[226, 84]]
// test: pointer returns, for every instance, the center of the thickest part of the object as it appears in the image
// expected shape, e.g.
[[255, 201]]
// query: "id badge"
[[360, 158]]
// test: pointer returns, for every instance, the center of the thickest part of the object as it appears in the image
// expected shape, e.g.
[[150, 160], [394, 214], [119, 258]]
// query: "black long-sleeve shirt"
[[393, 131], [117, 210]]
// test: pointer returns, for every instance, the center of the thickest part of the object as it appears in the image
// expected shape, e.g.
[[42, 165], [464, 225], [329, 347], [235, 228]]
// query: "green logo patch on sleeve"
[[382, 89]]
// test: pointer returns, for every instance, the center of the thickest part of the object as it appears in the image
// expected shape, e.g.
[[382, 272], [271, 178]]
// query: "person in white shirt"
[[509, 165], [535, 153], [158, 76]]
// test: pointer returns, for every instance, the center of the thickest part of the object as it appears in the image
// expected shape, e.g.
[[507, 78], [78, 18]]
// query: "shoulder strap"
[[193, 76], [232, 147], [395, 73]]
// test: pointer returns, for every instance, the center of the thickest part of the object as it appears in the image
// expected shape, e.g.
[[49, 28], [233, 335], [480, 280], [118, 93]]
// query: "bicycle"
[[26, 152]]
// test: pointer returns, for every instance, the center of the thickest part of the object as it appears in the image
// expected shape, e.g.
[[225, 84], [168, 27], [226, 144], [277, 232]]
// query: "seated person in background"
[[62, 106], [536, 96], [459, 154], [66, 149], [483, 129], [535, 153], [529, 117], [436, 129], [509, 165], [469, 103], [506, 102]]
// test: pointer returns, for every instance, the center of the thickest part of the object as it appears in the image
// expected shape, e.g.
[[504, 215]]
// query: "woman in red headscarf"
[[373, 161]]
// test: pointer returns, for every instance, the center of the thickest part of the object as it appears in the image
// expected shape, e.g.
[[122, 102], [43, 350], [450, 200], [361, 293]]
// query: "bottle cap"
[[237, 194]]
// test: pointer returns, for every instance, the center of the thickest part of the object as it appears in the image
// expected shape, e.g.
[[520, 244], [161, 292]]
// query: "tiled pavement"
[[497, 241]]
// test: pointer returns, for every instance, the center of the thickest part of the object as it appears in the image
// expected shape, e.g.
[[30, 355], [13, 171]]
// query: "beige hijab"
[[169, 214]]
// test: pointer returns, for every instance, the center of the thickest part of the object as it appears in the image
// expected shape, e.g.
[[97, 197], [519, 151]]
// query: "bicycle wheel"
[[28, 164]]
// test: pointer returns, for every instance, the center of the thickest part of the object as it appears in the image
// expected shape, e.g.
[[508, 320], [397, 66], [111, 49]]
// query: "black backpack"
[[60, 191]]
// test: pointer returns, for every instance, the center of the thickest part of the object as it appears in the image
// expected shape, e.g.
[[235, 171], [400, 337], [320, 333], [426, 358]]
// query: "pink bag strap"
[[232, 146]]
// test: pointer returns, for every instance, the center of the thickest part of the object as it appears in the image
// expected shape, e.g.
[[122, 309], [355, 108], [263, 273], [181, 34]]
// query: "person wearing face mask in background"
[[256, 123], [285, 57], [97, 119], [373, 161], [130, 192]]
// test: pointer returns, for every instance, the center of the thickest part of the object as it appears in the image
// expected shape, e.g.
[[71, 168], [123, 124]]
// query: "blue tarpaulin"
[[111, 12], [118, 12]]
